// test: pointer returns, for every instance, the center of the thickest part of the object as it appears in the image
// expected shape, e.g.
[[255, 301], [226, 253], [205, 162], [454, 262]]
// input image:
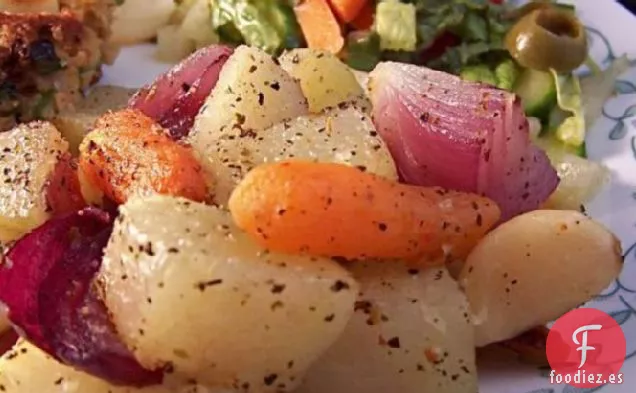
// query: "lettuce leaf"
[[480, 26], [581, 101], [569, 98], [599, 86]]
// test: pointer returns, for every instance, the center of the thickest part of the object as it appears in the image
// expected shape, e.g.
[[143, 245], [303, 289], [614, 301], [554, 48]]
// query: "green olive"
[[548, 38], [527, 8]]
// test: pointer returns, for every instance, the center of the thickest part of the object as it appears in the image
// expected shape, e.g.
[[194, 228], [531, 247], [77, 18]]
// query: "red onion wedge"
[[46, 281], [446, 132], [173, 100]]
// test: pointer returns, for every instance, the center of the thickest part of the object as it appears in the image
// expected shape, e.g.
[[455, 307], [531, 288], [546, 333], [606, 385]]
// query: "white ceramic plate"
[[612, 141]]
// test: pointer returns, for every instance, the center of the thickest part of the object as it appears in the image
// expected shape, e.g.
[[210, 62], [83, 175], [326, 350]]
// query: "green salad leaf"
[[599, 86], [267, 24], [479, 24]]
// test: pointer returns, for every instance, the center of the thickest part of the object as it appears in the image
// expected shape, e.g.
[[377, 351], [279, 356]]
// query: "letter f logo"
[[584, 348]]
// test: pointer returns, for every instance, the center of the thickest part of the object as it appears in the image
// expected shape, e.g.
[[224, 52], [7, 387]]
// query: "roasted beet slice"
[[174, 99], [7, 341], [46, 282]]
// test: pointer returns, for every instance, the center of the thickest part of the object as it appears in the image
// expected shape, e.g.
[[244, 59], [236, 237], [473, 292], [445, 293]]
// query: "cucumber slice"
[[479, 73], [537, 91]]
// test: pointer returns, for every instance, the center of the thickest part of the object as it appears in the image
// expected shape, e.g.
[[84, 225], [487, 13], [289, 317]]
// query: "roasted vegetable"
[[48, 289], [317, 137], [128, 154], [253, 93], [484, 130], [35, 169], [548, 38], [528, 271], [411, 333], [335, 210], [27, 369], [324, 79], [75, 124], [186, 287], [175, 98]]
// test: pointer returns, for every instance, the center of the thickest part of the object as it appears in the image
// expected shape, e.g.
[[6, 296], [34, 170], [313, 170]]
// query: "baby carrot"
[[127, 153], [365, 19], [334, 210], [319, 25], [347, 10]]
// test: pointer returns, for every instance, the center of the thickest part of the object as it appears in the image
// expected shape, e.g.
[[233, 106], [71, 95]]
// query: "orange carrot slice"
[[127, 153], [347, 10], [334, 210], [319, 25], [366, 17]]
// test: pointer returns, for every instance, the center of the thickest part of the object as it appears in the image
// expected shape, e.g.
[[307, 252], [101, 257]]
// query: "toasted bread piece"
[[75, 124]]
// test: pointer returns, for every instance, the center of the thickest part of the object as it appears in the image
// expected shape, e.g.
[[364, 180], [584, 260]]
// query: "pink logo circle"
[[586, 348]]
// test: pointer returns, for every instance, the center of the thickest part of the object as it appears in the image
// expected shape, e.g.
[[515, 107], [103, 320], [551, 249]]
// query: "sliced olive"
[[527, 8], [548, 38]]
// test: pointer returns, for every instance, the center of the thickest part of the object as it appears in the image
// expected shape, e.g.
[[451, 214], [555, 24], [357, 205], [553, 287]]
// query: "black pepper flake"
[[57, 382], [252, 68], [147, 248], [261, 99], [382, 226], [340, 286], [414, 272], [202, 286], [185, 87], [479, 220], [330, 317], [275, 86], [173, 250], [364, 306], [270, 379], [424, 117], [278, 288], [276, 305], [394, 343]]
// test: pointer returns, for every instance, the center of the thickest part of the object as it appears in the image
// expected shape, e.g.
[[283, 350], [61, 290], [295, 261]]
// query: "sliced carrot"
[[334, 210], [319, 25], [127, 153], [366, 17], [63, 191], [347, 10]]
